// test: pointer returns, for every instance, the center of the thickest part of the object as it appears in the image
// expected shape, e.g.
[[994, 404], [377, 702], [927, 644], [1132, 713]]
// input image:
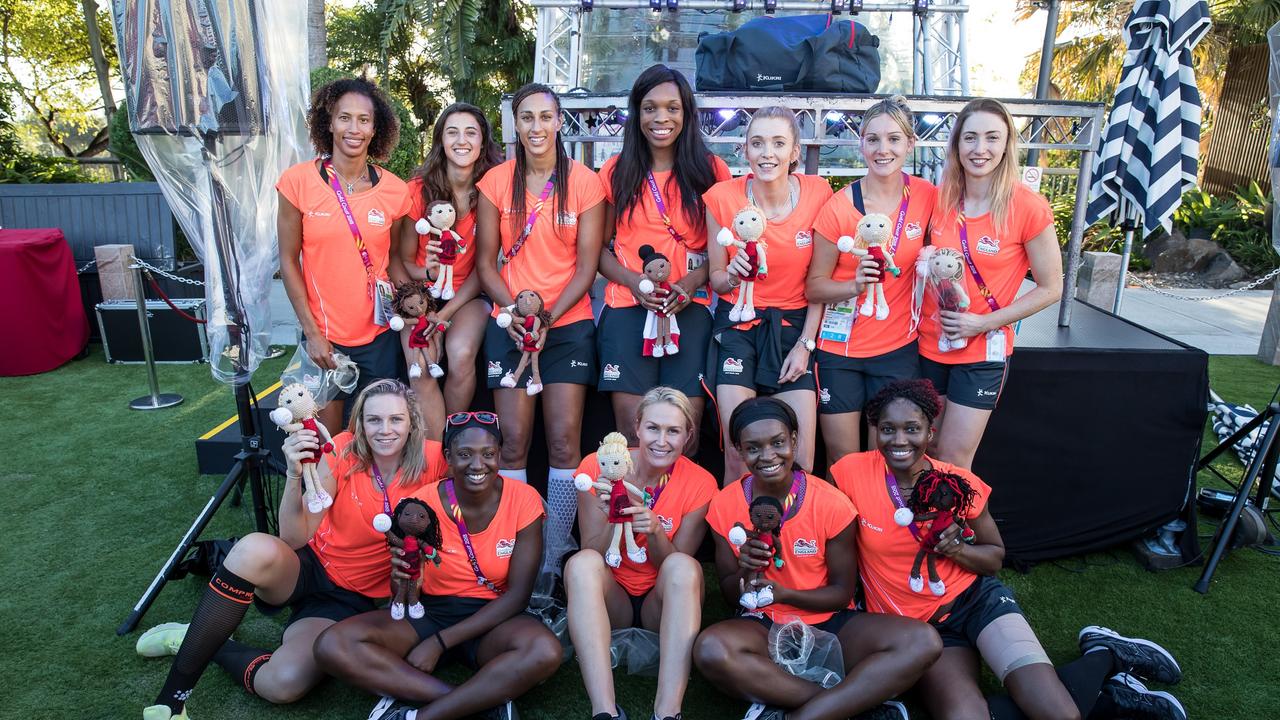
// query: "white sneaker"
[[415, 371], [397, 611], [672, 348], [508, 381], [938, 588], [435, 370], [917, 583]]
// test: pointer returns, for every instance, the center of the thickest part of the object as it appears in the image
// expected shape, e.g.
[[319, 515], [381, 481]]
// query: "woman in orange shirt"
[[773, 353], [859, 354], [663, 593], [475, 599], [325, 567], [462, 151], [334, 263], [1001, 229], [653, 191], [815, 581], [976, 614], [538, 227]]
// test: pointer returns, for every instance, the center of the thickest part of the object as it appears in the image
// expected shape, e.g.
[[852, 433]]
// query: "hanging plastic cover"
[[1273, 44], [218, 113]]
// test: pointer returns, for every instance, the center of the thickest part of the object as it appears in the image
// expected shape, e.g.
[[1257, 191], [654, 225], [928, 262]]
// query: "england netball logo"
[[495, 369], [988, 245], [803, 547], [505, 547]]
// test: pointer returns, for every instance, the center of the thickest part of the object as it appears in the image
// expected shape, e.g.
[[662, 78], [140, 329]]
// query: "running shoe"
[[389, 708], [162, 712], [1134, 700], [760, 711], [621, 714], [505, 711], [888, 710], [161, 640], [1133, 655]]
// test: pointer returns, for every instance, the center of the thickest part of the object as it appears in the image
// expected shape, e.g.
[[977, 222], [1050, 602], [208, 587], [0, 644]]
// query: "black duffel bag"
[[808, 53]]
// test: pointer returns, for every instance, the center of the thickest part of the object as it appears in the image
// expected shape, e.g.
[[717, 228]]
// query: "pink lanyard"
[[466, 538], [896, 494], [528, 226], [790, 504], [652, 494], [968, 259], [351, 223], [377, 477], [662, 211], [902, 212]]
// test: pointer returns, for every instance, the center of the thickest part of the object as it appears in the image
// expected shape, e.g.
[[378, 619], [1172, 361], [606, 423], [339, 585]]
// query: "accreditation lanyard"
[[968, 260], [351, 223], [902, 212], [377, 478], [790, 504], [899, 504], [466, 538], [652, 494], [662, 211], [528, 226]]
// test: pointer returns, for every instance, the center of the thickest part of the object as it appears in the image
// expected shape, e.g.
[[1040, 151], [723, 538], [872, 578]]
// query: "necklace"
[[350, 185], [793, 197]]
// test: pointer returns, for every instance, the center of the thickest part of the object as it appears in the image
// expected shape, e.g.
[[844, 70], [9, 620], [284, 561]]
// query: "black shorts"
[[833, 624], [444, 611], [736, 358], [315, 595], [569, 355], [984, 601], [845, 384], [637, 604], [624, 368], [976, 385], [378, 359]]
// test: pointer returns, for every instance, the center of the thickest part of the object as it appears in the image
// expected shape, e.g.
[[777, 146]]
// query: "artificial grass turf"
[[98, 495]]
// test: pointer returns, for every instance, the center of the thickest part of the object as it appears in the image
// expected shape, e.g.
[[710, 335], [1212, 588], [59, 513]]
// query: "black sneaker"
[[622, 714], [1135, 701], [1134, 655], [505, 711], [390, 709], [888, 710], [760, 711]]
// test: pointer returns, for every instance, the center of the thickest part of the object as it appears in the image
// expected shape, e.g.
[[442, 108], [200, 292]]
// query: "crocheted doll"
[[661, 331], [298, 410], [873, 240], [615, 462], [412, 304], [749, 224], [439, 222], [946, 281], [529, 314], [938, 500], [416, 530], [766, 526]]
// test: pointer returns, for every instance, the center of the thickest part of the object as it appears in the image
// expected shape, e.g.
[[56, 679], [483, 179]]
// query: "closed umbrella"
[[1149, 151]]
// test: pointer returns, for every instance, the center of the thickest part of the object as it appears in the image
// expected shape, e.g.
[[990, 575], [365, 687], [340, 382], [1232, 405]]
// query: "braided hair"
[[933, 483], [431, 536]]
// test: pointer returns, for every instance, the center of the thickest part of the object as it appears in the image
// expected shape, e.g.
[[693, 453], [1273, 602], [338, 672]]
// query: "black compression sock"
[[218, 614], [1082, 678], [242, 661]]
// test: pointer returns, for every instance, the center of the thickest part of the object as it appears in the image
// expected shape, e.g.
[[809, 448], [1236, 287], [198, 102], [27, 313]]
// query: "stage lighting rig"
[[655, 5], [588, 5], [673, 5], [770, 6], [920, 7], [739, 5], [839, 6], [855, 7]]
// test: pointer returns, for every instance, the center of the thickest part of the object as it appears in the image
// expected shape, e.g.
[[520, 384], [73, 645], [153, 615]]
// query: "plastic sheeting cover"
[[1273, 43], [217, 92]]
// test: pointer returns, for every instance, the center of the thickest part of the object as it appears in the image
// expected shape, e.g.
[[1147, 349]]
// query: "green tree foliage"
[[17, 165], [48, 72]]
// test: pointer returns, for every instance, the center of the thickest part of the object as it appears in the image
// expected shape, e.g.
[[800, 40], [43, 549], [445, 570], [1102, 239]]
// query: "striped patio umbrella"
[[1149, 151]]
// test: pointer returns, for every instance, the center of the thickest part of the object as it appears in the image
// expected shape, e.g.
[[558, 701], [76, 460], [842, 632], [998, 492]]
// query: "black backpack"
[[808, 53]]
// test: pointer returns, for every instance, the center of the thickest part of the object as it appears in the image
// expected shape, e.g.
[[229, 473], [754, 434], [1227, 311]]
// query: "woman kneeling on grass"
[[325, 566], [664, 592], [974, 612], [491, 530], [883, 655]]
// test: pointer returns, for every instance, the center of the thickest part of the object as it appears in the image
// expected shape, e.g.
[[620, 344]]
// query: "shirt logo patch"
[[576, 364], [869, 526], [666, 523], [505, 547], [988, 245], [567, 218], [377, 218], [913, 230], [611, 372], [803, 547], [732, 366], [824, 396], [495, 369], [804, 238], [319, 213]]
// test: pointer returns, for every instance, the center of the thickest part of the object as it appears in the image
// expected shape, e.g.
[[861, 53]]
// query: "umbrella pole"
[[1083, 181], [1128, 227], [1042, 83]]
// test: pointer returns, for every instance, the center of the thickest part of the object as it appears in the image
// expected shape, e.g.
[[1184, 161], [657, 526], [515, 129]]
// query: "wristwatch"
[[808, 343]]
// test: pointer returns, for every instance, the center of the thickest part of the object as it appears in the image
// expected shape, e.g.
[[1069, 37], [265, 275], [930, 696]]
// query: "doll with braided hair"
[[937, 500], [416, 530], [412, 304], [766, 526]]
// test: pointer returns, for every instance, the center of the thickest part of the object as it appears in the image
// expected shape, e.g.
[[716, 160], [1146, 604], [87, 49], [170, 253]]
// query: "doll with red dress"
[[298, 410], [439, 222], [937, 500], [766, 526], [661, 331], [530, 317], [419, 334]]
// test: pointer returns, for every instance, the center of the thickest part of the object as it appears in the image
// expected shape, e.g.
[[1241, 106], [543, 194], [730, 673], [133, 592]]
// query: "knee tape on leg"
[[1008, 643]]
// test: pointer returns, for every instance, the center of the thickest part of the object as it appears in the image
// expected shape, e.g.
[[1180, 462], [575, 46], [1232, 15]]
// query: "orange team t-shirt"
[[465, 227], [886, 551], [824, 514], [869, 337], [1002, 260], [789, 241], [547, 260], [645, 227], [689, 488], [353, 554], [520, 505], [337, 287]]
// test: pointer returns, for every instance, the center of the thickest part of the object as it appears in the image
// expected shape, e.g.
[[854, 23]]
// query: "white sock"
[[521, 474], [562, 504]]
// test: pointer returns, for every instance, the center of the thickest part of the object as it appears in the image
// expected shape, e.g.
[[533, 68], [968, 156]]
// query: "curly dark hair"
[[386, 126], [432, 534], [931, 491], [409, 289], [918, 392]]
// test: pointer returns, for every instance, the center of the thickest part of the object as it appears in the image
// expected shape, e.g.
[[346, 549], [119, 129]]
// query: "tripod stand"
[[1263, 465]]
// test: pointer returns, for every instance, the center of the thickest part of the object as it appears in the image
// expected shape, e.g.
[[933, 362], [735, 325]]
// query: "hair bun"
[[898, 99], [644, 252]]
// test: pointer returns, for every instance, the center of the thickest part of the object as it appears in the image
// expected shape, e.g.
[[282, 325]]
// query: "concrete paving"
[[1232, 326]]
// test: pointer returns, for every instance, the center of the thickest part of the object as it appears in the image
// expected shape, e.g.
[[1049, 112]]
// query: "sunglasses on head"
[[483, 417]]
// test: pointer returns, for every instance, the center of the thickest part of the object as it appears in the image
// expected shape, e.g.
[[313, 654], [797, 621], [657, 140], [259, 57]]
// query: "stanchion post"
[[156, 399]]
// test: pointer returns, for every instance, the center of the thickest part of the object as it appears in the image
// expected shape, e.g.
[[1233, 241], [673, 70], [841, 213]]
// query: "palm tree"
[[317, 52]]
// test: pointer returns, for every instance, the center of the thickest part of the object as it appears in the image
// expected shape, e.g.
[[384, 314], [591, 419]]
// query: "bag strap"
[[856, 190]]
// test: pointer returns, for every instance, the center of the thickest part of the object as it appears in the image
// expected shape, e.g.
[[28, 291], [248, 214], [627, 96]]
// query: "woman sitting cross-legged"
[[325, 566], [491, 530], [806, 570], [976, 615], [664, 591]]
